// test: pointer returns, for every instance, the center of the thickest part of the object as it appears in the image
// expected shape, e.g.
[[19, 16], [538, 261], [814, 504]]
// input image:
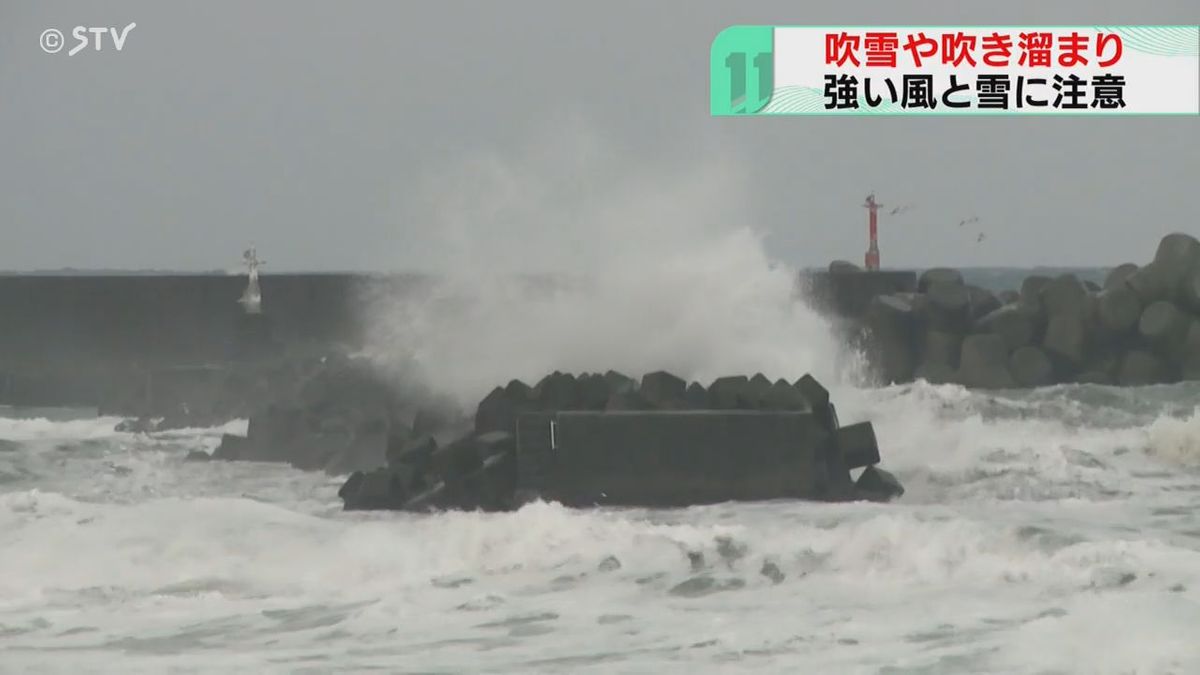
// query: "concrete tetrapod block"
[[783, 396], [1116, 276], [877, 485], [1178, 256], [1150, 284], [1190, 372], [1188, 348], [1062, 295], [1118, 309], [1031, 293], [981, 302], [1142, 368], [936, 275], [557, 391], [730, 392], [1014, 325], [756, 391], [662, 389], [696, 396], [858, 445], [1065, 341], [416, 452], [891, 329], [1030, 367], [949, 306], [941, 348], [1189, 292], [593, 391], [818, 401], [984, 363], [1164, 326], [496, 411]]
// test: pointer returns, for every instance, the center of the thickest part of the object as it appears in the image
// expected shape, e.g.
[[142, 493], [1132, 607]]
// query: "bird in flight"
[[900, 209], [980, 238], [968, 221]]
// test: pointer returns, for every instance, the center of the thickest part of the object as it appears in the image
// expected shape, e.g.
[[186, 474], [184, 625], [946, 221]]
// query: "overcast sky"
[[351, 135]]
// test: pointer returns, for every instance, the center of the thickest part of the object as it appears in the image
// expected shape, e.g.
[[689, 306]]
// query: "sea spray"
[[571, 257]]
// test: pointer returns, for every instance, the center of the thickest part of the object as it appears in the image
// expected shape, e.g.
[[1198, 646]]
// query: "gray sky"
[[376, 135]]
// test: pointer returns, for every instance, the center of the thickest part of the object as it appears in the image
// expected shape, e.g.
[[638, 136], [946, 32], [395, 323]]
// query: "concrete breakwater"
[[101, 339], [1141, 327], [595, 439]]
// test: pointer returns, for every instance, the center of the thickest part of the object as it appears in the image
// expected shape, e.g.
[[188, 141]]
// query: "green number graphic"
[[742, 70]]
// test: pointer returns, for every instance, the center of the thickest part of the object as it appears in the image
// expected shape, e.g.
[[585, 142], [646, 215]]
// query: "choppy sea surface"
[[1047, 531]]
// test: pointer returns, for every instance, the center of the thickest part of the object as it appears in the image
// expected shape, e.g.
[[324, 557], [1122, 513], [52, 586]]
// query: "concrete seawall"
[[63, 338]]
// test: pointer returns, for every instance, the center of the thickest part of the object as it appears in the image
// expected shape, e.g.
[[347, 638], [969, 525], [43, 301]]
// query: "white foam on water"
[[43, 429], [1176, 440], [861, 582]]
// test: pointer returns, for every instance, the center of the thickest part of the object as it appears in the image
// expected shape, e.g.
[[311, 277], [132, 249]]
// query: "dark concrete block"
[[980, 303], [1031, 293], [231, 448], [1116, 276], [676, 458], [858, 445], [783, 396], [941, 348], [1063, 295], [696, 396], [497, 412], [456, 459], [1030, 367], [1066, 340], [1189, 292], [1142, 368], [619, 383], [557, 391], [593, 391], [818, 401], [1164, 326], [878, 485], [415, 452], [380, 489], [847, 295], [1118, 309], [730, 392], [1149, 283], [893, 325], [984, 363], [939, 275], [662, 389], [1178, 257], [1014, 325]]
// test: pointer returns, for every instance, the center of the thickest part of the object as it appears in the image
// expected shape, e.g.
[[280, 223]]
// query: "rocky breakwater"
[[1142, 327], [606, 439]]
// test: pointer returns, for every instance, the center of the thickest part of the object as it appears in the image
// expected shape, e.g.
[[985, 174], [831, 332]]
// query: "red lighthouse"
[[872, 261]]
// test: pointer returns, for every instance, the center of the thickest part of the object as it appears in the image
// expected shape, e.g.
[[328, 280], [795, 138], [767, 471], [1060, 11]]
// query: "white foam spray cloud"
[[655, 266]]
